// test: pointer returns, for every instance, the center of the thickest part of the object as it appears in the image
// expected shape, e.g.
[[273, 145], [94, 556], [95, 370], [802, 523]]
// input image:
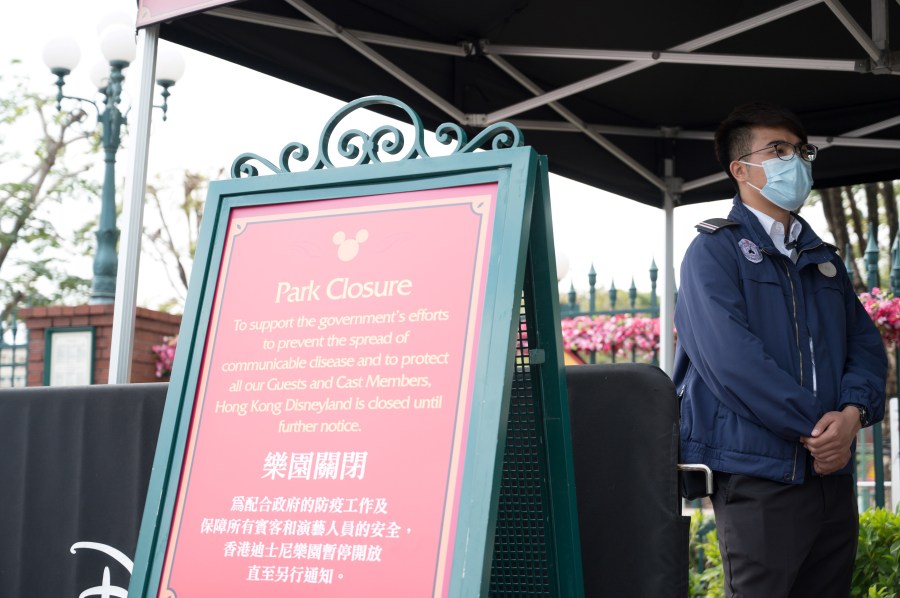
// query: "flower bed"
[[619, 334]]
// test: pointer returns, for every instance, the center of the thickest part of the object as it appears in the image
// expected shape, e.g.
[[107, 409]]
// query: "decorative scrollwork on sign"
[[387, 140], [242, 164]]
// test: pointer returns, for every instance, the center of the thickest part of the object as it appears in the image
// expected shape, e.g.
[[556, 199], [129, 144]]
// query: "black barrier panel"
[[634, 541], [74, 467]]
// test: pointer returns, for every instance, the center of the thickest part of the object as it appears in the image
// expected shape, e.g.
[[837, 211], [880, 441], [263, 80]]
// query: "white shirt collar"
[[775, 230]]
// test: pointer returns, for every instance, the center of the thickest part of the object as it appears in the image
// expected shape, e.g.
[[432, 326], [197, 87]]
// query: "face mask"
[[788, 182]]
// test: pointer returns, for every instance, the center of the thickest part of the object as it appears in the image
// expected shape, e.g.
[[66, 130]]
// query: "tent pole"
[[858, 33], [389, 67], [578, 123], [122, 342], [633, 67], [301, 26], [667, 305]]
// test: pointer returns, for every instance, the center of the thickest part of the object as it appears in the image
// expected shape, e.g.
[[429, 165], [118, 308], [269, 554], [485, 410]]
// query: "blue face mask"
[[788, 182]]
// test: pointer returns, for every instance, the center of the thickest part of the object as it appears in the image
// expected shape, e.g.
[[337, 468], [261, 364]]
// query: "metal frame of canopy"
[[879, 60]]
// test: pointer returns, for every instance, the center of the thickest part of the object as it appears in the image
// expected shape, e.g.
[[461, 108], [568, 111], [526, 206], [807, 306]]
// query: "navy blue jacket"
[[743, 365]]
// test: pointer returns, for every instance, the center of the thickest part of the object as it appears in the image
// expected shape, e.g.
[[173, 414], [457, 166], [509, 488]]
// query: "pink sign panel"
[[325, 451], [154, 11]]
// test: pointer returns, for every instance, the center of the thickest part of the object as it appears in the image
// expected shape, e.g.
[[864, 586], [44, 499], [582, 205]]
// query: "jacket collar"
[[807, 240], [739, 213]]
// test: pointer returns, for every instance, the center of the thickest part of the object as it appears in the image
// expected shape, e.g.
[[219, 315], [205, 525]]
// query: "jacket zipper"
[[794, 470], [797, 334], [794, 306], [797, 340], [799, 351]]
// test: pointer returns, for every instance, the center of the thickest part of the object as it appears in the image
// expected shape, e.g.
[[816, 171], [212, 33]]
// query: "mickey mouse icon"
[[349, 248]]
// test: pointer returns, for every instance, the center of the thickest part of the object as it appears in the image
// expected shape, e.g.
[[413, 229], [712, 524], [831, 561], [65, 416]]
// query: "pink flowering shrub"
[[884, 309], [580, 334], [634, 332], [165, 355], [617, 334]]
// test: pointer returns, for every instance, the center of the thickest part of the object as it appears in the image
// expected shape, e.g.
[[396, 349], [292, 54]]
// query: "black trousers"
[[786, 540]]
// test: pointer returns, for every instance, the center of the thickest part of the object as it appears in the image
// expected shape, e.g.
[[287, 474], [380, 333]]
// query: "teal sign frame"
[[520, 293]]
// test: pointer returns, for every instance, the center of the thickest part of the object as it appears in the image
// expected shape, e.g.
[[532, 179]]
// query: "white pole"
[[133, 214], [895, 453], [667, 305]]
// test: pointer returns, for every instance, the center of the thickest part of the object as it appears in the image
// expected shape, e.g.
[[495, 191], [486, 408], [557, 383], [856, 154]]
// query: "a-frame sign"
[[368, 395]]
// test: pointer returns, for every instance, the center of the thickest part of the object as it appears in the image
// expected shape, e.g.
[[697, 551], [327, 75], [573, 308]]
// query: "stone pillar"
[[150, 328]]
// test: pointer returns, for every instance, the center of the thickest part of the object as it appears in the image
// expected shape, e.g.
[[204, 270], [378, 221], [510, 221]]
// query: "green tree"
[[39, 188]]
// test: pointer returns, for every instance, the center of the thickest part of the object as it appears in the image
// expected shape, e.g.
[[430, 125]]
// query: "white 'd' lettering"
[[105, 590]]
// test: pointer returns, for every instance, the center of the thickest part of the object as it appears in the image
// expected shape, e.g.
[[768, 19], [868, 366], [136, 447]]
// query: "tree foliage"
[[40, 188], [172, 230], [47, 214]]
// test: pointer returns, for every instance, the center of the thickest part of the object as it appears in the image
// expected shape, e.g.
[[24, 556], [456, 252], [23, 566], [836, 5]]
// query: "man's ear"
[[738, 171]]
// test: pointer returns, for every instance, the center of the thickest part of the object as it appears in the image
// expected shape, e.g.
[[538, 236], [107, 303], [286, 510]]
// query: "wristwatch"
[[863, 415]]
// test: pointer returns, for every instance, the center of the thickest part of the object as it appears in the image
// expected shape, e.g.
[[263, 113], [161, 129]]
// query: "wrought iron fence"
[[610, 334], [870, 445]]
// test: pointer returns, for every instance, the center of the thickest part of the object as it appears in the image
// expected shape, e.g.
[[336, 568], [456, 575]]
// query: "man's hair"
[[735, 133]]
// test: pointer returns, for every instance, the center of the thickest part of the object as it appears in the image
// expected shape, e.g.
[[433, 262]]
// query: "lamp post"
[[118, 48]]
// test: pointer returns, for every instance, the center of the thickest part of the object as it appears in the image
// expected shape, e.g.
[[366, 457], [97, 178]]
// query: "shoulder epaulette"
[[713, 225]]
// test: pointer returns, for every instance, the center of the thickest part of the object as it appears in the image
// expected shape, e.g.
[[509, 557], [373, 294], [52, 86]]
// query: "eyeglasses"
[[786, 151]]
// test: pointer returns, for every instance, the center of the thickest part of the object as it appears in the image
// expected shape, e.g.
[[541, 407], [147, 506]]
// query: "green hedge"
[[877, 572]]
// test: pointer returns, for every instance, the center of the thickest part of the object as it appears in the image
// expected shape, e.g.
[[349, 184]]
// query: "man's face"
[[764, 138]]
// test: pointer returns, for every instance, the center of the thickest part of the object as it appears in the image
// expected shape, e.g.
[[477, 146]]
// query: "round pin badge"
[[828, 269], [750, 250]]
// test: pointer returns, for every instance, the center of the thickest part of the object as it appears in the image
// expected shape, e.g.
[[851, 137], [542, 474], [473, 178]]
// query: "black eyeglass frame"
[[798, 150]]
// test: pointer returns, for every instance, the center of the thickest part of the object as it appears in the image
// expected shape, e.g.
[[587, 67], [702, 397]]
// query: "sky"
[[219, 110]]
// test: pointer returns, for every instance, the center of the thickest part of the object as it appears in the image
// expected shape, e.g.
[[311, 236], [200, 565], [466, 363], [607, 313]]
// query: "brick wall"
[[150, 327]]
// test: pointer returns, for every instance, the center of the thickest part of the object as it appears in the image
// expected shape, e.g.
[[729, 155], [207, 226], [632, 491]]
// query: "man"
[[778, 366]]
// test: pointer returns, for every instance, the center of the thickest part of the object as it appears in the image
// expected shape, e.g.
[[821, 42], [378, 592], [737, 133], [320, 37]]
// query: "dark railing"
[[870, 442], [572, 310], [13, 355]]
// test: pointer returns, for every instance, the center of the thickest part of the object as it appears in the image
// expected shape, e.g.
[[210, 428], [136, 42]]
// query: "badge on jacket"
[[750, 250], [828, 269]]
